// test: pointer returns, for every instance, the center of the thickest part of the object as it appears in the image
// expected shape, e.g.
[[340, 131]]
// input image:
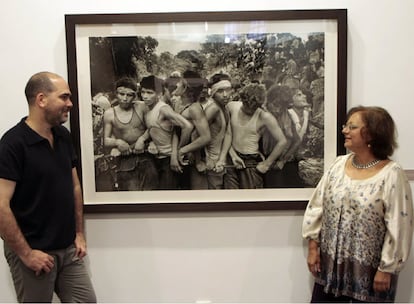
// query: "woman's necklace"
[[364, 166]]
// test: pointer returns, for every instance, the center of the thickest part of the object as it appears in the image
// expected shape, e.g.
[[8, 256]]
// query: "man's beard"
[[55, 119]]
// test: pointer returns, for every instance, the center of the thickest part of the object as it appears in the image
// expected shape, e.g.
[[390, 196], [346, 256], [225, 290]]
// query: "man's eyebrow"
[[65, 95]]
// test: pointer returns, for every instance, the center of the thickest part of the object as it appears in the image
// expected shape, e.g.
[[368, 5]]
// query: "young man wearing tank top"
[[125, 135]]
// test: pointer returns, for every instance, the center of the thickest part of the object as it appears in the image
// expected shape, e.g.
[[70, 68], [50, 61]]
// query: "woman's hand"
[[314, 259], [382, 281]]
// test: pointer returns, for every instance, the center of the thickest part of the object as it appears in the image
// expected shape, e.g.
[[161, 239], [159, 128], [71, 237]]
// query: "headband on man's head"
[[222, 84]]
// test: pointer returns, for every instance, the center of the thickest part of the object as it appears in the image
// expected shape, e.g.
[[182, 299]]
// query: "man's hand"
[[80, 245], [139, 146], [238, 162], [38, 261], [201, 166], [175, 165], [263, 167], [219, 166], [279, 164], [123, 147], [152, 148]]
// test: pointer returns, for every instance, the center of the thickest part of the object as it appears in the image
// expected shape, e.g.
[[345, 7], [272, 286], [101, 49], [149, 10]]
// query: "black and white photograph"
[[181, 112]]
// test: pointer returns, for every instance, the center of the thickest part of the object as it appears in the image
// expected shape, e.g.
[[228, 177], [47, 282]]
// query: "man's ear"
[[41, 100]]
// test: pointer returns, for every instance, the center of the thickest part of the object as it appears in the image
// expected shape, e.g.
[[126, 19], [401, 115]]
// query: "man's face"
[[57, 104], [204, 93], [250, 106], [222, 96], [273, 107], [300, 99], [149, 97], [179, 88], [125, 97]]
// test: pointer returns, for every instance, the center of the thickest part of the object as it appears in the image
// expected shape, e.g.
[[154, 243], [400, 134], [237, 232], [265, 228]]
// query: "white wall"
[[227, 256]]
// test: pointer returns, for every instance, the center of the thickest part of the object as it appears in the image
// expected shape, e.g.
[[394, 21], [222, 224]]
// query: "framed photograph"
[[302, 53]]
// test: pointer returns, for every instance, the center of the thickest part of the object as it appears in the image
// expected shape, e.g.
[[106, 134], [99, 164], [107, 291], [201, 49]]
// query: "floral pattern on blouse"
[[361, 226]]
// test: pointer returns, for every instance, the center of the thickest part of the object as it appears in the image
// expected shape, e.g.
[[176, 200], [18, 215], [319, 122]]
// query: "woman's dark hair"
[[379, 130]]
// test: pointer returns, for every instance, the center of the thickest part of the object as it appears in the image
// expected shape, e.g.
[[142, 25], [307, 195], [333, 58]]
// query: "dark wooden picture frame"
[[79, 28]]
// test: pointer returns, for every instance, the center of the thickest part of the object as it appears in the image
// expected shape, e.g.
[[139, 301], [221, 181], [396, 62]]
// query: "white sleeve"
[[398, 219], [312, 219]]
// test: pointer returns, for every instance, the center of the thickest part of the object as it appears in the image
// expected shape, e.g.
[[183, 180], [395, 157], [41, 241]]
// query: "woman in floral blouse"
[[359, 221]]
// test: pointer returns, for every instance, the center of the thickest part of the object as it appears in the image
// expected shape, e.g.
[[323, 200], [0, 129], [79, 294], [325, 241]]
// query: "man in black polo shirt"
[[41, 199]]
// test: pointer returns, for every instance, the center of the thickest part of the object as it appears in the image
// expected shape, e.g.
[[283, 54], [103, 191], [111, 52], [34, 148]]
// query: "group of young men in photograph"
[[187, 132]]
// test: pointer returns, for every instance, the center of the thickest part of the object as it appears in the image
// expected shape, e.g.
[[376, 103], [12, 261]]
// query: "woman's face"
[[354, 141]]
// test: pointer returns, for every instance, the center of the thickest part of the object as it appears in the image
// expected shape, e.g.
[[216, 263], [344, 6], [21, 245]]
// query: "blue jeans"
[[68, 278]]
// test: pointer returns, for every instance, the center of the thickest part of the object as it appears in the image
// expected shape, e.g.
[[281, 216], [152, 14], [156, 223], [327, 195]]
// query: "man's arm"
[[228, 137], [227, 147], [10, 232], [80, 242], [270, 122], [174, 162], [212, 112], [141, 109], [304, 127], [139, 146], [203, 130], [180, 121], [109, 140]]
